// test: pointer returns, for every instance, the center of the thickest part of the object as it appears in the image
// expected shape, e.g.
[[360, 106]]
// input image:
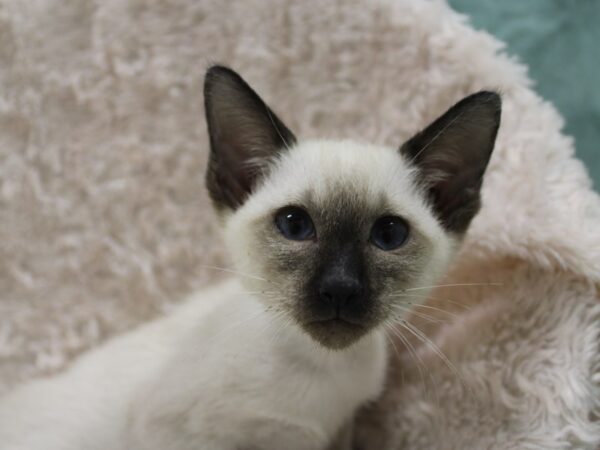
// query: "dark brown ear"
[[245, 135], [452, 154]]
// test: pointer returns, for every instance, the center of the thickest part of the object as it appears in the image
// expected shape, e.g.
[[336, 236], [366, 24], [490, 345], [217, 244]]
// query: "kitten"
[[324, 234]]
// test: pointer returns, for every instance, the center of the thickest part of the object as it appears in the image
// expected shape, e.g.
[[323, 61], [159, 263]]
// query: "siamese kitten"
[[323, 234]]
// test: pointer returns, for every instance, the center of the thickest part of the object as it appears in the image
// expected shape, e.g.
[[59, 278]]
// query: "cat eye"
[[389, 232], [295, 224]]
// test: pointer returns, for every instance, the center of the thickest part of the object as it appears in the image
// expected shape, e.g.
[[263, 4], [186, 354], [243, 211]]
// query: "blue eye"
[[295, 224], [389, 233]]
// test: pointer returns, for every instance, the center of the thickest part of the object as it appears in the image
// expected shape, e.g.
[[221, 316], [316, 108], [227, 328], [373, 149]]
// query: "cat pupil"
[[389, 233], [296, 223], [386, 233], [387, 229]]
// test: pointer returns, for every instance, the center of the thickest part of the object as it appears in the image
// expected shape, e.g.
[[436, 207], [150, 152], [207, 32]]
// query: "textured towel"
[[104, 221], [559, 41]]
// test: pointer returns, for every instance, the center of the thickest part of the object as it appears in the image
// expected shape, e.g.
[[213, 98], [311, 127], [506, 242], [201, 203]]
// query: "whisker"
[[452, 285], [437, 299], [391, 341], [236, 272], [420, 335], [398, 355], [264, 293], [413, 354], [433, 308], [419, 314], [284, 324]]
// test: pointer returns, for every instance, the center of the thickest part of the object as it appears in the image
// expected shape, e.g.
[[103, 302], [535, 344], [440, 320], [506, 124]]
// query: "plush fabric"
[[104, 221], [544, 33]]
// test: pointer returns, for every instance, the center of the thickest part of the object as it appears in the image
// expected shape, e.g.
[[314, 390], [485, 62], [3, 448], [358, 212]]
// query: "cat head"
[[330, 233]]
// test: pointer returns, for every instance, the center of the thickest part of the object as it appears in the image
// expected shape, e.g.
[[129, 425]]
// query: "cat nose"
[[339, 292]]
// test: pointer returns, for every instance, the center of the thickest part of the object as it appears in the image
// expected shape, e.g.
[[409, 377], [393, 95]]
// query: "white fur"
[[217, 374], [99, 128], [370, 171], [224, 372]]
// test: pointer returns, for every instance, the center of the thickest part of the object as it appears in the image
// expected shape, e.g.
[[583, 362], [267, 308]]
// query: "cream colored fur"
[[99, 133], [217, 374], [231, 369], [320, 167]]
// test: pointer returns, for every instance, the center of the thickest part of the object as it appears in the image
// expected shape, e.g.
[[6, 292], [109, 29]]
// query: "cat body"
[[326, 238], [217, 373]]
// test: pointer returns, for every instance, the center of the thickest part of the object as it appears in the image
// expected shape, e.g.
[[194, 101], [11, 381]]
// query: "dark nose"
[[340, 291]]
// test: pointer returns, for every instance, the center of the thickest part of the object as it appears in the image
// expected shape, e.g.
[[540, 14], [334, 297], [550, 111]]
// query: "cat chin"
[[336, 333]]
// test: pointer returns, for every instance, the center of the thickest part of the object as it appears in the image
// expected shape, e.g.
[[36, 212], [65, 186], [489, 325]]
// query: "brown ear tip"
[[492, 99], [219, 72]]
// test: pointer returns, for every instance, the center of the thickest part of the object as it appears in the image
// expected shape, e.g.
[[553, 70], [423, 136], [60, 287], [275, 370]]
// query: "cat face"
[[329, 233]]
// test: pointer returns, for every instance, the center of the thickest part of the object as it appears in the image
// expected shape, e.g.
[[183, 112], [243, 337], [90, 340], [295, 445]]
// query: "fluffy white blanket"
[[104, 222]]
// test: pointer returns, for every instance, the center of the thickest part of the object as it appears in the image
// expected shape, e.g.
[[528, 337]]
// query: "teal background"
[[560, 42]]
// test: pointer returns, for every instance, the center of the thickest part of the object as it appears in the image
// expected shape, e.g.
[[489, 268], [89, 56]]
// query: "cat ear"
[[452, 154], [245, 135]]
